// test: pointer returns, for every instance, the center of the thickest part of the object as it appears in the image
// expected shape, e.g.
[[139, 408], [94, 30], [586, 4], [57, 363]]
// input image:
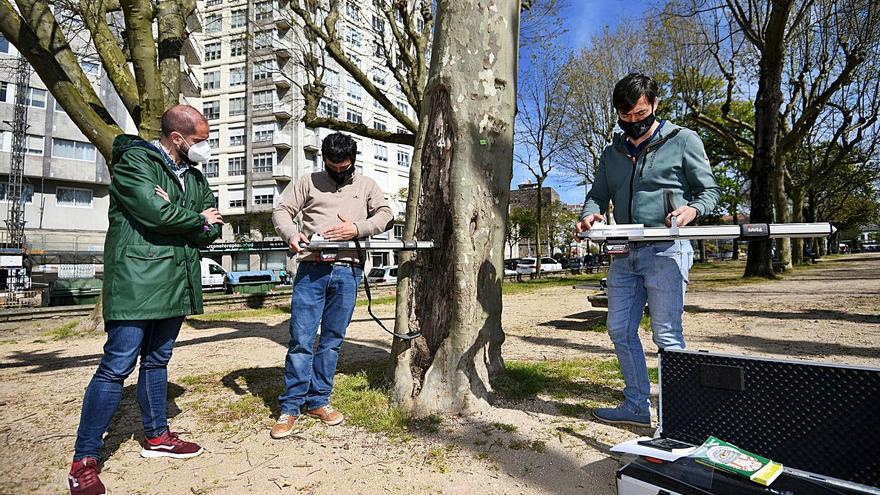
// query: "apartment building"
[[249, 77]]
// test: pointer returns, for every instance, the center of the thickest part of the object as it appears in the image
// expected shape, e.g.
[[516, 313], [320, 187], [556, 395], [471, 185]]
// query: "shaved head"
[[183, 119]]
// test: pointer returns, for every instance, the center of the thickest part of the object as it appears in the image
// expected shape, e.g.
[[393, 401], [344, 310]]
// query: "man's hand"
[[683, 216], [212, 216], [586, 224], [162, 194], [299, 237], [345, 231]]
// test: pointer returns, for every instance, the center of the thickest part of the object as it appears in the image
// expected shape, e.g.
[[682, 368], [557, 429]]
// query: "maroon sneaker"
[[83, 478], [169, 444]]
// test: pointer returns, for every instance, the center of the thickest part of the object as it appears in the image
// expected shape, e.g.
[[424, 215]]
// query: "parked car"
[[383, 274], [510, 266], [573, 264], [526, 266], [213, 275]]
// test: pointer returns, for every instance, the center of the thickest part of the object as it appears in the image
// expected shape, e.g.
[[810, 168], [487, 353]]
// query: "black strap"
[[362, 255]]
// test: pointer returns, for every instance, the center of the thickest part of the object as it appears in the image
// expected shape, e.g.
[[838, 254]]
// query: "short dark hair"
[[337, 147], [628, 90], [182, 119]]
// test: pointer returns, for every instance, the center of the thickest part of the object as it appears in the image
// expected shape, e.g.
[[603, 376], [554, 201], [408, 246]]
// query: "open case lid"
[[819, 418]]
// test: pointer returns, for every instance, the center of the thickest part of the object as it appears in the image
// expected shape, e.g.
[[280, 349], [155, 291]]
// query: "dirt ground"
[[830, 312]]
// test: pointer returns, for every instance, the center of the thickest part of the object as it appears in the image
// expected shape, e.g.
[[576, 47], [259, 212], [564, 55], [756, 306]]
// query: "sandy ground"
[[827, 313]]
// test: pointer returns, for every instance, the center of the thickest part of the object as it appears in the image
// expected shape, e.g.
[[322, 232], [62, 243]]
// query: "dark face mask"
[[635, 130], [340, 178]]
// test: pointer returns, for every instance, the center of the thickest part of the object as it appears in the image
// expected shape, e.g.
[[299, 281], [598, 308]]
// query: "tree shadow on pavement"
[[806, 314]]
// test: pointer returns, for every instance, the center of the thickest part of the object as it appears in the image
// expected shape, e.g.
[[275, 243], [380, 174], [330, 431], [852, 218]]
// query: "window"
[[264, 39], [237, 47], [74, 150], [352, 11], [90, 68], [398, 232], [328, 108], [236, 136], [239, 19], [214, 139], [212, 80], [378, 76], [353, 36], [236, 200], [4, 44], [264, 69], [211, 109], [212, 50], [237, 76], [212, 168], [27, 192], [403, 159], [237, 106], [213, 23], [70, 196], [4, 92], [264, 195], [356, 60], [211, 3], [378, 49], [34, 145], [380, 152], [36, 97], [263, 10], [264, 162], [5, 142], [355, 91], [264, 133], [378, 24], [379, 125], [242, 261], [403, 107], [330, 77], [353, 116], [235, 166], [263, 99]]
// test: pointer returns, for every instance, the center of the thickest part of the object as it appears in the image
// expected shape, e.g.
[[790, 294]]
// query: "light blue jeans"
[[656, 273], [325, 294]]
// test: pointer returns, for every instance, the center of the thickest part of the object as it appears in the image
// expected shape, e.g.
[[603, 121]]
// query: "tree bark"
[[539, 213], [171, 16], [454, 293], [797, 216], [144, 55], [780, 208]]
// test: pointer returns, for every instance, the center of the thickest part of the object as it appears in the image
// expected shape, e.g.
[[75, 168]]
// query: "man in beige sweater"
[[340, 206]]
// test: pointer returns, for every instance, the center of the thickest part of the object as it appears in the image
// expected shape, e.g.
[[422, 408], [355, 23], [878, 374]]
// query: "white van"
[[213, 275]]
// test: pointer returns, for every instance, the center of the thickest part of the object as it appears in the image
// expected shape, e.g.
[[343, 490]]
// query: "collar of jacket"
[[125, 142], [665, 132]]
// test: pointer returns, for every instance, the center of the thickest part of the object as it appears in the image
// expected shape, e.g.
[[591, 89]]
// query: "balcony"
[[192, 51], [282, 110], [282, 52], [281, 81], [194, 22], [282, 19], [189, 83], [282, 141], [282, 172]]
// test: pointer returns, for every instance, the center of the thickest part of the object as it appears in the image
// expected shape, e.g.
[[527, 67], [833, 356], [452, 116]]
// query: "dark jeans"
[[322, 293], [153, 340]]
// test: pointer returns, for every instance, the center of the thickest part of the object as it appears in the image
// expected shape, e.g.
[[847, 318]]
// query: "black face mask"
[[340, 178], [635, 130]]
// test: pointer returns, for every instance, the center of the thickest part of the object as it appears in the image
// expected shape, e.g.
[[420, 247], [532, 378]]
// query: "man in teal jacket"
[[650, 161], [161, 212]]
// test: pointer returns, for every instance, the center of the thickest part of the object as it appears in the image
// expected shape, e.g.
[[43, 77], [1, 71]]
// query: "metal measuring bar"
[[618, 237], [368, 244]]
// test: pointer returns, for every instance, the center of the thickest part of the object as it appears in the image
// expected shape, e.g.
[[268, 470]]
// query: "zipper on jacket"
[[635, 161]]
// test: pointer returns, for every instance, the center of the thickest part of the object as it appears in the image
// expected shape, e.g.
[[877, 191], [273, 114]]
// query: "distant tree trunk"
[[453, 295], [780, 208], [539, 220], [797, 216], [701, 248], [735, 216]]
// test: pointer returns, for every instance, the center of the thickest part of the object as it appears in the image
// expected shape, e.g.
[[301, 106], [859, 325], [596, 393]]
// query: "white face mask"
[[199, 152]]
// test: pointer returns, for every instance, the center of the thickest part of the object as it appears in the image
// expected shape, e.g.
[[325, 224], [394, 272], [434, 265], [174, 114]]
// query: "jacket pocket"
[[149, 253], [152, 280]]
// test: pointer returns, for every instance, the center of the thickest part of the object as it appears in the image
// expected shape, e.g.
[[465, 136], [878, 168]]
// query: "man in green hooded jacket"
[[161, 212]]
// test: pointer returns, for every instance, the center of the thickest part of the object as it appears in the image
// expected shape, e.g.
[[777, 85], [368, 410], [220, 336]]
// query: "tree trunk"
[[171, 16], [539, 214], [735, 255], [144, 55], [454, 293], [701, 247], [797, 216], [780, 208], [768, 100]]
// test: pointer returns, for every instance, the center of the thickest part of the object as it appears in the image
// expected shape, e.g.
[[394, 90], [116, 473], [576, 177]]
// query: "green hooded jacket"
[[674, 160], [151, 253]]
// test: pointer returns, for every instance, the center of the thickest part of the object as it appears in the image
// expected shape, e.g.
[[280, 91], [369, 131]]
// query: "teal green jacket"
[[674, 160], [151, 253]]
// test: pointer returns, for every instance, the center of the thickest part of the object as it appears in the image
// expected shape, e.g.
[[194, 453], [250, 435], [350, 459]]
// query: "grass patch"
[[538, 446], [430, 424], [64, 331], [436, 458], [527, 286], [596, 381], [504, 427], [363, 398], [377, 301], [241, 314]]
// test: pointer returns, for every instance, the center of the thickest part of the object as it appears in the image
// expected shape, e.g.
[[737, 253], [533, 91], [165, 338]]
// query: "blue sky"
[[583, 19]]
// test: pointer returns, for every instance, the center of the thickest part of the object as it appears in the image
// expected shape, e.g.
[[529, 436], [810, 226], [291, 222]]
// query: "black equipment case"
[[820, 420]]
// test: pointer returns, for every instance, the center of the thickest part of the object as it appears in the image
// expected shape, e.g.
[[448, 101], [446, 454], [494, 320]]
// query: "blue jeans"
[[323, 293], [656, 273], [153, 340]]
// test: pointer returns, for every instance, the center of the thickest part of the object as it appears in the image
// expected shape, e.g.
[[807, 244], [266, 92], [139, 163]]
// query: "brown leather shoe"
[[285, 425], [328, 415]]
